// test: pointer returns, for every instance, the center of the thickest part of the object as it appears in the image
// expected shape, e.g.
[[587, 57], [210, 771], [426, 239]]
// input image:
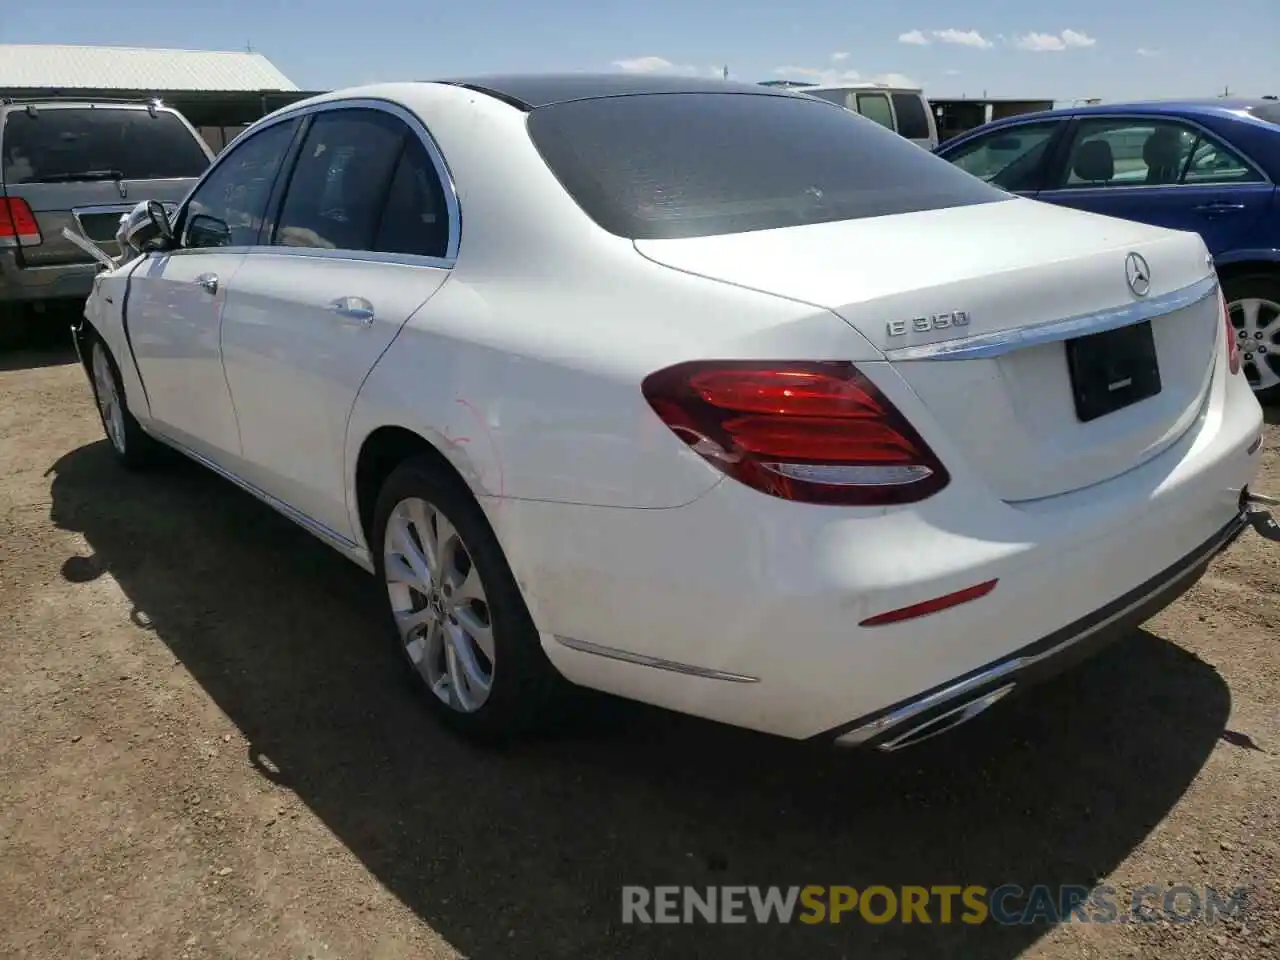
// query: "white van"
[[902, 109]]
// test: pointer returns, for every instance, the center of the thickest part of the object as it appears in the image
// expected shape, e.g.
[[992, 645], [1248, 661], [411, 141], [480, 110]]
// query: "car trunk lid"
[[975, 307]]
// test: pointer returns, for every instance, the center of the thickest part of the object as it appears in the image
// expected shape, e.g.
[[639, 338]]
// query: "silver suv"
[[80, 164]]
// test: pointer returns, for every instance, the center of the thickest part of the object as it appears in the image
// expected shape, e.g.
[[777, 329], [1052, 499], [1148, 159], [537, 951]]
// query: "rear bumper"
[[23, 284], [752, 611], [947, 705]]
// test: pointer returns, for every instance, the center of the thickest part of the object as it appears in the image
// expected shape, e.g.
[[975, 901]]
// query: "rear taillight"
[[18, 227], [812, 432], [1229, 331]]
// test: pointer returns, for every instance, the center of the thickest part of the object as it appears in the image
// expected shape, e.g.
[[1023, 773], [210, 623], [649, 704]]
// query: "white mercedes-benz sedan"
[[714, 396]]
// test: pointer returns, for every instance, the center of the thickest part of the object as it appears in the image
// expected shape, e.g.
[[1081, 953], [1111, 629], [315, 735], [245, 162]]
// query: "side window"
[[1009, 158], [415, 218], [913, 120], [875, 106], [1128, 152], [1211, 163], [335, 196], [228, 208]]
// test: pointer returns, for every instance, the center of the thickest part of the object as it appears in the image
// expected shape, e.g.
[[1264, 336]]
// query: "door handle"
[[357, 310], [209, 281], [1218, 206]]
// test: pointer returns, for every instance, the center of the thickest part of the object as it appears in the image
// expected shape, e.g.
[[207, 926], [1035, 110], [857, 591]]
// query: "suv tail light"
[[1233, 345], [811, 432], [18, 227]]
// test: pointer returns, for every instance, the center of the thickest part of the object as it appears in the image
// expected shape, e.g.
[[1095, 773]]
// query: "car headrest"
[[1094, 161], [1162, 153]]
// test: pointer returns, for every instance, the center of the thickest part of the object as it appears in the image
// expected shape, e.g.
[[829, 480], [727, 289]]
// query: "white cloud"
[[894, 80], [1145, 52], [817, 74], [1039, 42], [1074, 38], [656, 65], [952, 73], [1053, 42], [965, 38], [838, 57], [830, 77], [914, 37]]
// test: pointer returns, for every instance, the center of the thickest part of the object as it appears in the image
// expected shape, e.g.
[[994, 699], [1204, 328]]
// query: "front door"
[[176, 299]]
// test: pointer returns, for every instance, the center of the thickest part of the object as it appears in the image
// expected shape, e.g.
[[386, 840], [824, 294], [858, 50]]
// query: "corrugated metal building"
[[220, 92]]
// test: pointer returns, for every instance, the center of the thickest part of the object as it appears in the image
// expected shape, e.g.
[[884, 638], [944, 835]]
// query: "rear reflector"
[[18, 227], [931, 606], [807, 431], [1229, 330]]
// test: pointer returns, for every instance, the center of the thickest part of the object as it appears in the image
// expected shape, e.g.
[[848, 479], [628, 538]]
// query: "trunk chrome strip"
[[988, 345]]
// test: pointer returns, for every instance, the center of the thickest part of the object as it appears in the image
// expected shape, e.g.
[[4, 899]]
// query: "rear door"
[[1016, 157], [84, 165], [361, 241], [1163, 171]]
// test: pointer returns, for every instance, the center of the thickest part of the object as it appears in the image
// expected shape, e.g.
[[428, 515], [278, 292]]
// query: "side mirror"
[[159, 218], [146, 228], [206, 231]]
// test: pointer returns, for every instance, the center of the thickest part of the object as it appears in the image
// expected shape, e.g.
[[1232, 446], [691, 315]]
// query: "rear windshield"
[[660, 166], [66, 144]]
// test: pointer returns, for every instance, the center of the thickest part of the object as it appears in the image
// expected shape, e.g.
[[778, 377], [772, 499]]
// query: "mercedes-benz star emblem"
[[1137, 274]]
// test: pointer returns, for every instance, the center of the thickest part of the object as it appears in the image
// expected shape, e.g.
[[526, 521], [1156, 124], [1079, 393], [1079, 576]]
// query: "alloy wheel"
[[439, 604], [104, 382], [1257, 329]]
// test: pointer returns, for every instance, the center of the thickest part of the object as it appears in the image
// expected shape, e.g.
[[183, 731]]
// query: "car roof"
[[529, 91], [1209, 106]]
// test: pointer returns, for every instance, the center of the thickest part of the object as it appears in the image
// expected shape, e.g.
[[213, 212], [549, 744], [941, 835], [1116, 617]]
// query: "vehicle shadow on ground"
[[523, 853], [44, 345], [1271, 413]]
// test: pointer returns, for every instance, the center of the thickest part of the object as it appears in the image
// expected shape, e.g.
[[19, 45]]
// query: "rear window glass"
[[913, 122], [66, 144], [659, 166]]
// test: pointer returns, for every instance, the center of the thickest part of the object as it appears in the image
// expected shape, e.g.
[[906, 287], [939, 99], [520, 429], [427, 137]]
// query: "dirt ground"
[[205, 751]]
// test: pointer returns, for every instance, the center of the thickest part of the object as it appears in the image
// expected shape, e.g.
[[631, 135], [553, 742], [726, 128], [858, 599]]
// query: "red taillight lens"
[[18, 227], [1233, 345], [813, 432]]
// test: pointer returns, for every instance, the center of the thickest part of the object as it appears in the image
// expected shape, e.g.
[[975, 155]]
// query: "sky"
[[1113, 49]]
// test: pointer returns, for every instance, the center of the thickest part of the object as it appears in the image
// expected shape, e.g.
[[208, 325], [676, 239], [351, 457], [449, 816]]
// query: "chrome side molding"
[[640, 659]]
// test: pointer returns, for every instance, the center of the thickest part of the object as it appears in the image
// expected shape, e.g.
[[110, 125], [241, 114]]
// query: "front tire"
[[132, 445], [455, 613], [1253, 303]]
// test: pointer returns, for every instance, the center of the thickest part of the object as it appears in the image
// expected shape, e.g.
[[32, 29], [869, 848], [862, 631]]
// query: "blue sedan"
[[1209, 166]]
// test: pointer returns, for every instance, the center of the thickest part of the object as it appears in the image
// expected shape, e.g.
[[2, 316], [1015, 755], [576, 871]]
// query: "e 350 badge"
[[937, 321]]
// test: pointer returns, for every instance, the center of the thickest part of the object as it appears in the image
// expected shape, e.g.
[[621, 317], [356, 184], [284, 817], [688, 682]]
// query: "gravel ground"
[[205, 752]]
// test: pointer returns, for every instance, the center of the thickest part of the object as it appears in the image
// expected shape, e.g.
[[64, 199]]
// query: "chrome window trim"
[[1001, 342], [1199, 128], [411, 120]]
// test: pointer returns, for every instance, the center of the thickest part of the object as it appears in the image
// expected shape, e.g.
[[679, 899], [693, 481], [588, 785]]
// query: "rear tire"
[[1253, 301], [454, 610], [132, 445]]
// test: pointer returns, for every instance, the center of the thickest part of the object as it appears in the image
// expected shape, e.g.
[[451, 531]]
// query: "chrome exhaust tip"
[[945, 721]]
